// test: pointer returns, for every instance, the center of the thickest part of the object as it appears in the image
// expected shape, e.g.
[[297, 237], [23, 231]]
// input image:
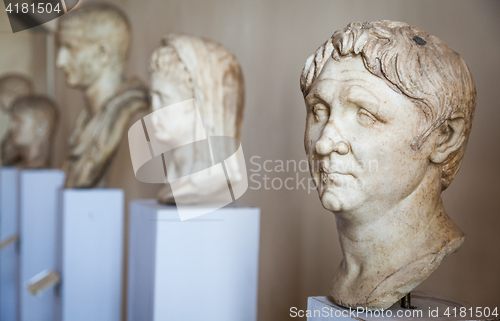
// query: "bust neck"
[[413, 233], [103, 89]]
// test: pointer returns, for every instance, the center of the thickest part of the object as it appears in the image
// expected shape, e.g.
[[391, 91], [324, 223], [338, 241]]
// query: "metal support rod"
[[406, 301]]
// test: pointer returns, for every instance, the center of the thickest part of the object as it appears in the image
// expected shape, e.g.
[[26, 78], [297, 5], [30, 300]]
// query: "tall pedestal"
[[40, 190], [427, 307], [200, 269], [9, 253], [92, 254]]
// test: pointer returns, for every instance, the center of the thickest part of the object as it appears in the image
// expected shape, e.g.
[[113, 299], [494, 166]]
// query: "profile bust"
[[31, 130], [389, 112], [94, 42], [186, 67], [12, 86]]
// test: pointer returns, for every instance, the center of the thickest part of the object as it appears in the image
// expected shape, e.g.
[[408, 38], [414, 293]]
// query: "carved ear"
[[451, 139], [105, 52]]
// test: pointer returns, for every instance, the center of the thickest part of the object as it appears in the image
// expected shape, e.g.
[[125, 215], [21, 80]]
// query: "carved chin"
[[71, 81], [330, 201]]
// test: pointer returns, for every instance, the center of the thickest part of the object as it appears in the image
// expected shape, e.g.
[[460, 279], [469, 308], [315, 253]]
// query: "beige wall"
[[12, 45], [272, 39]]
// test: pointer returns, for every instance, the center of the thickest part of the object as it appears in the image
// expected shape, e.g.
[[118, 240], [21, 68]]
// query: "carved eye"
[[365, 117], [320, 112]]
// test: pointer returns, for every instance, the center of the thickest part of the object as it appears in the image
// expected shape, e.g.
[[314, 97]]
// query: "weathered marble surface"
[[389, 112], [94, 42], [187, 67]]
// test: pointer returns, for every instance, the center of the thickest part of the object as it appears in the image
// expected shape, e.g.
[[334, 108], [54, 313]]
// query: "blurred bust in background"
[[12, 86], [187, 67], [389, 112], [94, 43], [31, 130]]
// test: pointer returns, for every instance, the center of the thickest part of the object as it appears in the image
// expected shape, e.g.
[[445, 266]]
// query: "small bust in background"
[[31, 130], [12, 86], [186, 67]]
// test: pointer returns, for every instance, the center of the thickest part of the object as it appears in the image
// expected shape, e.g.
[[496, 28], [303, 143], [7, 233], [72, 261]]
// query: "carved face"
[[23, 129], [358, 136], [80, 59], [167, 88]]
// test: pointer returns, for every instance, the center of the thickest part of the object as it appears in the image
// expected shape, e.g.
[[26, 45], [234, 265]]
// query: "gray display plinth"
[[199, 269], [9, 252], [39, 201], [92, 254], [427, 307]]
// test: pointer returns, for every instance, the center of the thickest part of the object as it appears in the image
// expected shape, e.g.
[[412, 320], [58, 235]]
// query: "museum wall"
[[11, 60], [299, 247]]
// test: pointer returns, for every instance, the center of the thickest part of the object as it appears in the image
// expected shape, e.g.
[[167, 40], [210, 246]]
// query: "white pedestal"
[[200, 269], [92, 254], [428, 307], [9, 255], [40, 190]]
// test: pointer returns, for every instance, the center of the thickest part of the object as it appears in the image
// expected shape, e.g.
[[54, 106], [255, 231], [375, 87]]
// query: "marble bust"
[[12, 86], [389, 112], [183, 68], [94, 42], [32, 127]]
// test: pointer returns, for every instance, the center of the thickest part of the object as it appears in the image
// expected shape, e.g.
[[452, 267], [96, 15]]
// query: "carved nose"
[[61, 59], [325, 146]]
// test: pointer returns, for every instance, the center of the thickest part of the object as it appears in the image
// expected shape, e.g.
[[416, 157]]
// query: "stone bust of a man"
[[32, 127], [94, 42], [12, 86], [183, 68], [389, 112]]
